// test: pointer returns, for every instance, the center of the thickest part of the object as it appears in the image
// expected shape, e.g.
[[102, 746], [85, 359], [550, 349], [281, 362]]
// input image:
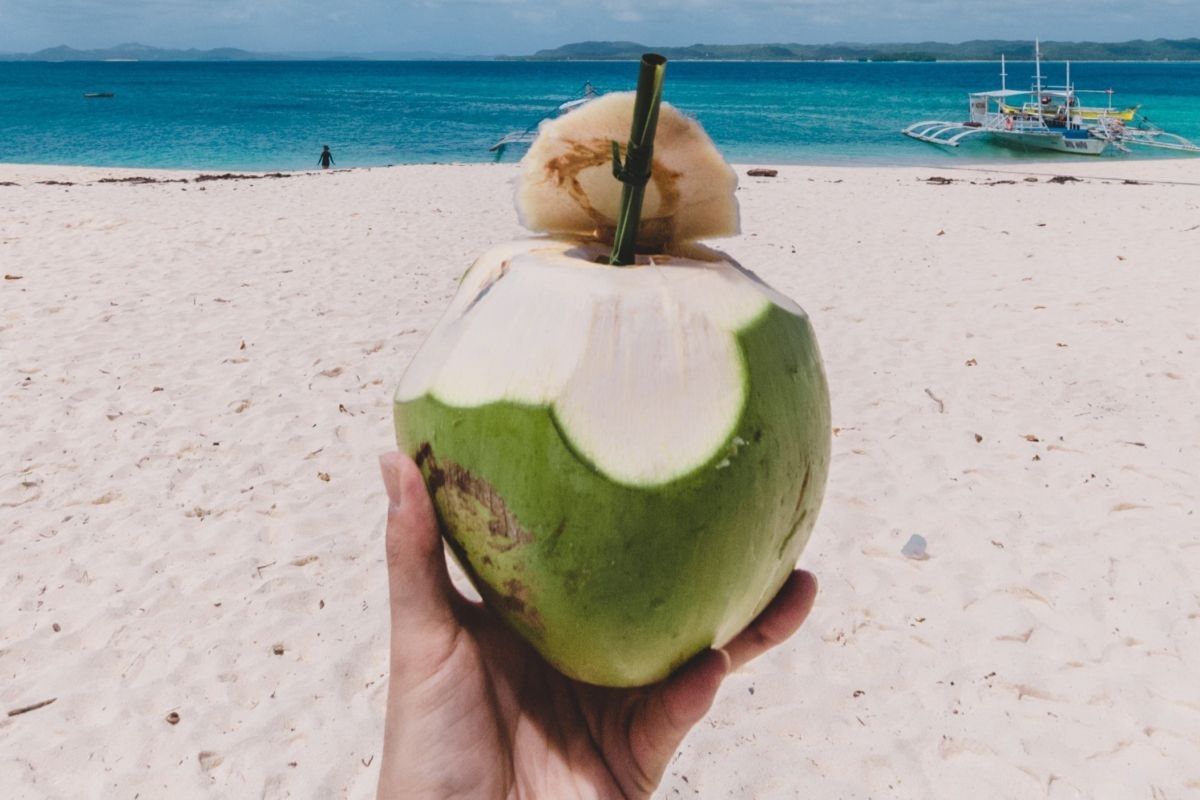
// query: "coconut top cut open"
[[567, 186], [640, 366]]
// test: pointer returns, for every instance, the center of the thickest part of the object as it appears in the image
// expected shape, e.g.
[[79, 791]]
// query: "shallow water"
[[276, 115]]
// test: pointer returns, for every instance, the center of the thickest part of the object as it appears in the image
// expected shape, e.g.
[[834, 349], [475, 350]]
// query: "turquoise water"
[[276, 115]]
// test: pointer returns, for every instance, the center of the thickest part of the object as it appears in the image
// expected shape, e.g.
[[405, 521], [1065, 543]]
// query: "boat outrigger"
[[587, 94], [1050, 118]]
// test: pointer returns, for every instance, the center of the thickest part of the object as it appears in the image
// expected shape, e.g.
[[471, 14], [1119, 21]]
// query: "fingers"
[[777, 622], [688, 695], [418, 583], [671, 709]]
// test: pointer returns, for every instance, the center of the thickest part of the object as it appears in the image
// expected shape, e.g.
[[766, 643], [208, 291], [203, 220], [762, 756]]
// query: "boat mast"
[[1068, 94], [1037, 60], [1000, 101]]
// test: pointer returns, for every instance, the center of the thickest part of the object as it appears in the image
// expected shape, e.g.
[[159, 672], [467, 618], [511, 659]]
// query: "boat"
[[1050, 118], [1087, 113], [525, 137], [98, 95]]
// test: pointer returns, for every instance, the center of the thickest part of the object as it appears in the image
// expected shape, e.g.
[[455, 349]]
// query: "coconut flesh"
[[626, 461]]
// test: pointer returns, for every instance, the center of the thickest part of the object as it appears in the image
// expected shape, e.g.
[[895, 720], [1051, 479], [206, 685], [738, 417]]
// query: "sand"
[[196, 381]]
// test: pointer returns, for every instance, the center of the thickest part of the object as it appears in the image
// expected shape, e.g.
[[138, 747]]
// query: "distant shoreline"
[[507, 60], [1137, 50]]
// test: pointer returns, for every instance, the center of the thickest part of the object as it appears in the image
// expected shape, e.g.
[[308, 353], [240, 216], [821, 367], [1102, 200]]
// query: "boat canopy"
[[571, 104], [589, 93], [999, 93]]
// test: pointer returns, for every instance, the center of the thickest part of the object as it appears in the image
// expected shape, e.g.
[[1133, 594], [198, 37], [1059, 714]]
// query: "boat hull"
[[1055, 142], [1096, 114]]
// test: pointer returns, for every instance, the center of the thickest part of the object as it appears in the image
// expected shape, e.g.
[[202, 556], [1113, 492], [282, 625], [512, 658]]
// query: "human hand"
[[473, 711]]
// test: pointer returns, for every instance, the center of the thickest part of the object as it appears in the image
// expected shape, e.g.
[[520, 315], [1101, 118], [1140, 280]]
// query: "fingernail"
[[389, 466]]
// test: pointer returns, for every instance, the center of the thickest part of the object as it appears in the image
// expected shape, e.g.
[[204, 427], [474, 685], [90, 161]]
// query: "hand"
[[474, 712]]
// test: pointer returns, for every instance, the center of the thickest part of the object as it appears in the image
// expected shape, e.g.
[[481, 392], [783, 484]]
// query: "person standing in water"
[[326, 158]]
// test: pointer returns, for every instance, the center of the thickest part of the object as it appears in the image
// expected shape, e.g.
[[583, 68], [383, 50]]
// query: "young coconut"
[[627, 461]]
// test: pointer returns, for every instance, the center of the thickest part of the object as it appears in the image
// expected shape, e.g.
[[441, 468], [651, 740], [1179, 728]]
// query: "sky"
[[515, 27]]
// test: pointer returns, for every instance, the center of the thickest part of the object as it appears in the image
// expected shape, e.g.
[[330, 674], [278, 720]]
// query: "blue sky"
[[477, 27]]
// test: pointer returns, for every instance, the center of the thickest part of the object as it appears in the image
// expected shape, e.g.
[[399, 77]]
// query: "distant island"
[[976, 50], [143, 52]]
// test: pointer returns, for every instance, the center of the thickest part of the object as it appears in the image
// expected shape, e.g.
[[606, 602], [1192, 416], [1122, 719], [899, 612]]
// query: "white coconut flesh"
[[640, 365]]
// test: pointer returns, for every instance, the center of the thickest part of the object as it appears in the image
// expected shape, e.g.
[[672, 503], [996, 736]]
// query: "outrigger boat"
[[525, 137], [1087, 113], [1050, 118]]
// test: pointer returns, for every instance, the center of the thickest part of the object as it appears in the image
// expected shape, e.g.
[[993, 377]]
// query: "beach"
[[197, 379]]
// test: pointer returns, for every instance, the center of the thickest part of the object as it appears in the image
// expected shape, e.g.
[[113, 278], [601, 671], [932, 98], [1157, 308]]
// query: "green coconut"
[[626, 461]]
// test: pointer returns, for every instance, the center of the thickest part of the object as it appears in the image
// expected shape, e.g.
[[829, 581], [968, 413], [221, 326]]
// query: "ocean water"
[[277, 115]]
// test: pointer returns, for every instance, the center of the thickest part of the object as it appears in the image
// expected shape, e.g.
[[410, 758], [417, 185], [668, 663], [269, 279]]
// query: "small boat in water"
[[1050, 118], [98, 95], [526, 137]]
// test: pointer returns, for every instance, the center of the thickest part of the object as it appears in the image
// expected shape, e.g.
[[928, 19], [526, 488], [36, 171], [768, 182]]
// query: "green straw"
[[635, 172]]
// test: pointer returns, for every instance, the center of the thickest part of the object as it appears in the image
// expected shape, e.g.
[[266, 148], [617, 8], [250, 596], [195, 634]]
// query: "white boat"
[[587, 94], [1050, 118]]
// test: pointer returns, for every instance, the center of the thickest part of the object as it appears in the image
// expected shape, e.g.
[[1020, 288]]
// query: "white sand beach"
[[196, 380]]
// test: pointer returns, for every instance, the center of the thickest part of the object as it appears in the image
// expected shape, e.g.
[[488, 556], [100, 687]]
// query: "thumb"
[[666, 714], [418, 584]]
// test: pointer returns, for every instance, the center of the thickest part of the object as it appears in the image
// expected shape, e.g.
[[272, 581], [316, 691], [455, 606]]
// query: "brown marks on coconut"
[[574, 580], [564, 169], [550, 545], [800, 513], [467, 502], [514, 600], [654, 232], [517, 598], [471, 513]]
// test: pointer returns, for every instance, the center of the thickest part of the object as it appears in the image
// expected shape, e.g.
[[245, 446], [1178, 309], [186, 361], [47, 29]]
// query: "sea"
[[278, 115]]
